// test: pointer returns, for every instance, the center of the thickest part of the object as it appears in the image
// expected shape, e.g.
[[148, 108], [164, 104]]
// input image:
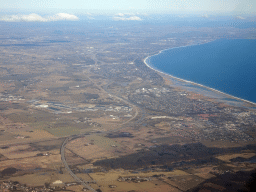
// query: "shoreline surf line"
[[191, 82]]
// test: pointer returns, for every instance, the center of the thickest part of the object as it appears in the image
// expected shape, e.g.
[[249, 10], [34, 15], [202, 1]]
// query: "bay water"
[[228, 65]]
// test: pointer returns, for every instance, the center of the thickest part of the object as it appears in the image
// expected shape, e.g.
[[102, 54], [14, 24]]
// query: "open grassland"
[[40, 125], [153, 186], [15, 152], [108, 120], [184, 182], [42, 154], [18, 151], [5, 136], [204, 172], [31, 162], [102, 141], [75, 188], [2, 157], [37, 134], [40, 178], [37, 179], [226, 144], [86, 146], [64, 131], [21, 118], [110, 178], [24, 137], [232, 156], [74, 159], [54, 142]]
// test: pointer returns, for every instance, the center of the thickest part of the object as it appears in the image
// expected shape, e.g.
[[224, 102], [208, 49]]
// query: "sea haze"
[[224, 64]]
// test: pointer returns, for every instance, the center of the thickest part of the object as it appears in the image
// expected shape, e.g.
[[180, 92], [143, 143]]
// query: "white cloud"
[[240, 17], [143, 14], [124, 14], [205, 16], [37, 18], [63, 16], [29, 18], [92, 18], [133, 18], [120, 14]]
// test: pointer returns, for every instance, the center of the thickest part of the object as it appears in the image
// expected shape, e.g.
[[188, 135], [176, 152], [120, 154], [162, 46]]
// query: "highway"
[[62, 152], [119, 98]]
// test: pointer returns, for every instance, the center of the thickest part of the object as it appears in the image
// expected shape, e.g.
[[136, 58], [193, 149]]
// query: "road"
[[62, 150], [119, 98], [77, 179]]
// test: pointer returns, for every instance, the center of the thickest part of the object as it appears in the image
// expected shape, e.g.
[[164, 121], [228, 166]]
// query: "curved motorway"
[[62, 152]]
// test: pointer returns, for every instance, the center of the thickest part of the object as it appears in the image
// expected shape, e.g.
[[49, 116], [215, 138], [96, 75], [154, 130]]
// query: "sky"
[[150, 6], [71, 10]]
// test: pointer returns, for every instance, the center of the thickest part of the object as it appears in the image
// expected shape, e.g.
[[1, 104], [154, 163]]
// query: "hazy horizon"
[[181, 5], [133, 9]]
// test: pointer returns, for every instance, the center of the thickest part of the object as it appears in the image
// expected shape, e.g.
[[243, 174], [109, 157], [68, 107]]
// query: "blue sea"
[[224, 64]]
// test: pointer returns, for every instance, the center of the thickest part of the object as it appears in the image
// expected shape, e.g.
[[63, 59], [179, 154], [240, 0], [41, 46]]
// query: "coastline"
[[191, 82]]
